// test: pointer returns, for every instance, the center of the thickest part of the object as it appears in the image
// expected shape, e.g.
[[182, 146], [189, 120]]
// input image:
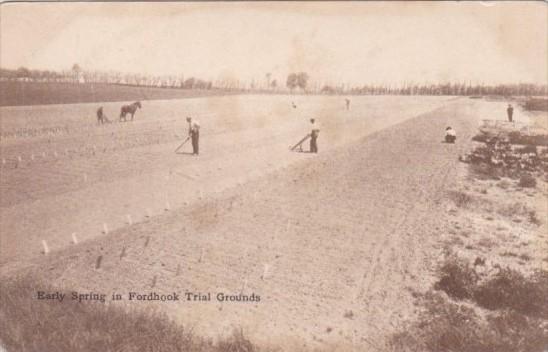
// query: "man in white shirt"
[[450, 135], [194, 134]]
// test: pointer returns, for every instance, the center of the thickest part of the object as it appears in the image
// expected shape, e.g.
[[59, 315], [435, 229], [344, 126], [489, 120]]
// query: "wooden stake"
[[46, 248], [129, 220], [74, 239], [105, 228], [265, 271], [98, 262]]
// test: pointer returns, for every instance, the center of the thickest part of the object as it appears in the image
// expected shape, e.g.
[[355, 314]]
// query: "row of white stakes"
[[44, 155], [264, 276], [129, 221]]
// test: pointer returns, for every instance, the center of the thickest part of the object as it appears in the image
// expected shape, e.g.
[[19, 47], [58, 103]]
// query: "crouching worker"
[[450, 135], [194, 134]]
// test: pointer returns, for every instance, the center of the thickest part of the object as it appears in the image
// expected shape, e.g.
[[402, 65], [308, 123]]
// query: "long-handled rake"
[[180, 146], [300, 143]]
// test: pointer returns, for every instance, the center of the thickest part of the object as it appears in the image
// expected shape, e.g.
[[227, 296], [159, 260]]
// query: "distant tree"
[[291, 82], [273, 84], [328, 89], [22, 72], [268, 77], [189, 83], [200, 84], [76, 70], [8, 74], [302, 80]]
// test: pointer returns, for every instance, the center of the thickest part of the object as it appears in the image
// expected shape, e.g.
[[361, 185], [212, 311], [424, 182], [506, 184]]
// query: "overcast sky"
[[352, 42]]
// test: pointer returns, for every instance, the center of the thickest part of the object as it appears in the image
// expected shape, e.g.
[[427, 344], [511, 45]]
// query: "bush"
[[527, 181], [447, 327], [509, 289], [458, 279]]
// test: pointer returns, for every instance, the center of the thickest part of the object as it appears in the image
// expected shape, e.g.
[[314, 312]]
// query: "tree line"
[[295, 82], [77, 75], [520, 89]]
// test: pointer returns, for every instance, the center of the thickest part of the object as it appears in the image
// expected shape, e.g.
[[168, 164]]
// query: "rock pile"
[[499, 152]]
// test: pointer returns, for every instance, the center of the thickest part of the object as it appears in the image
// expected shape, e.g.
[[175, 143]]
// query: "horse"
[[129, 109]]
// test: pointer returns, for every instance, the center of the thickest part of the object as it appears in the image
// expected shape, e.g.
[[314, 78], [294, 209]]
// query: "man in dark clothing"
[[510, 112], [194, 133], [315, 131], [100, 115]]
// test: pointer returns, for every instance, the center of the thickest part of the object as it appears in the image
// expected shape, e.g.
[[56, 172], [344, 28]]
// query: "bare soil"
[[334, 243]]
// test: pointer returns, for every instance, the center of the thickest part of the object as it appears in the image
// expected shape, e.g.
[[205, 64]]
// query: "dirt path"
[[333, 245]]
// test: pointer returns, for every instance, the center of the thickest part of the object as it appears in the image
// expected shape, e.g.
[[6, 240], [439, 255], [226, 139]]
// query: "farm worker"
[[347, 103], [510, 112], [450, 135], [194, 134], [100, 115], [315, 131]]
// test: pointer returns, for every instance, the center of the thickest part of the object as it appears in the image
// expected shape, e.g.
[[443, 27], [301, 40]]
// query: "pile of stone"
[[500, 152]]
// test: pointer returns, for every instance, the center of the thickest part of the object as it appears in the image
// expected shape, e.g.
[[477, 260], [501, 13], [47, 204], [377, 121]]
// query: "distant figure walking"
[[129, 109], [194, 134], [450, 135], [510, 112], [347, 103], [101, 117], [293, 105], [314, 133]]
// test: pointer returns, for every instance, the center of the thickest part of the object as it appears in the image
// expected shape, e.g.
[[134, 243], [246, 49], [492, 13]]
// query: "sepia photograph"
[[274, 176]]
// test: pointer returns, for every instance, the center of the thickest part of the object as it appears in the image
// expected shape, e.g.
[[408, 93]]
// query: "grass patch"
[[515, 318], [446, 326], [28, 324], [508, 254], [519, 209], [487, 242], [461, 199], [527, 181], [484, 171]]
